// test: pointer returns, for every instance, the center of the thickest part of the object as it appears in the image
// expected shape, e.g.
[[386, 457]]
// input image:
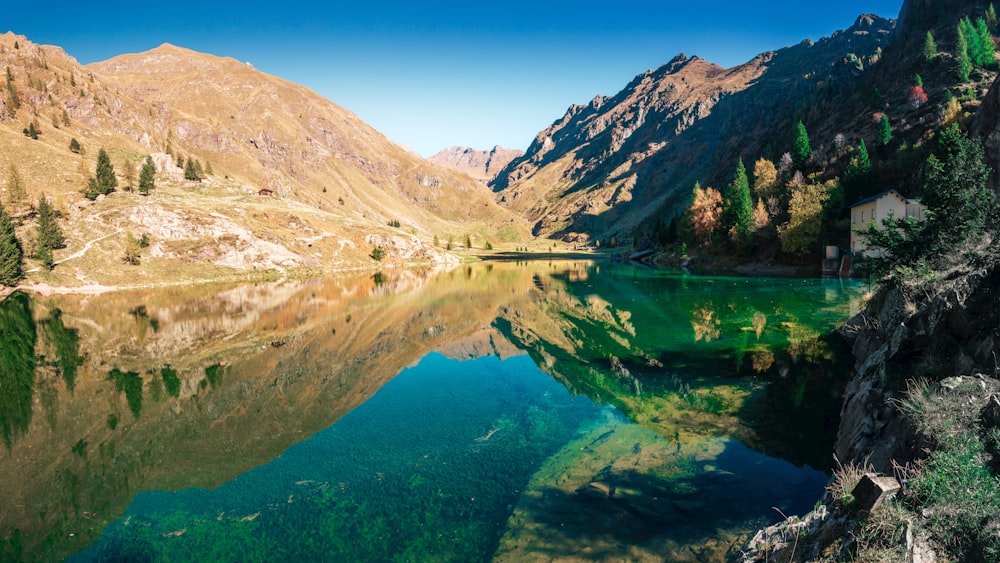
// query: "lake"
[[498, 411]]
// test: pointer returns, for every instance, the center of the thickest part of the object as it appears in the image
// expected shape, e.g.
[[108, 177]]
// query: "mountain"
[[337, 183], [481, 165], [605, 167]]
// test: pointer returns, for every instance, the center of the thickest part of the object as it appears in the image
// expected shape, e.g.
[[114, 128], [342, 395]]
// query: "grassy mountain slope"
[[337, 182]]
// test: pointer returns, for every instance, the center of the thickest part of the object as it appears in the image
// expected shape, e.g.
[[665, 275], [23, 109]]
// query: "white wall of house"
[[888, 203]]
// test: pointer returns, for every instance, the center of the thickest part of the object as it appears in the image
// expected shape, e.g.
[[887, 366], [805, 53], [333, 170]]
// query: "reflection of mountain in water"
[[693, 358], [189, 387]]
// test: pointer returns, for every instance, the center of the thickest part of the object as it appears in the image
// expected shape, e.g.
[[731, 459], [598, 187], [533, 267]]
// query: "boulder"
[[873, 490]]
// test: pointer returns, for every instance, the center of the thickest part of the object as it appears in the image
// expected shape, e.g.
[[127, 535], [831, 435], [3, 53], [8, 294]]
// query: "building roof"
[[880, 196]]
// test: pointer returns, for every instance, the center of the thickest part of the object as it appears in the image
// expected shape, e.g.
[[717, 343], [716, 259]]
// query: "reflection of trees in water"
[[759, 323], [66, 342], [806, 343], [705, 322], [17, 366], [130, 383], [762, 360]]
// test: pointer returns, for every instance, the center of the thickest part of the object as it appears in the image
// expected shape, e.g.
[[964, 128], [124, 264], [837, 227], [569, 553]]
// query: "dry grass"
[[845, 478]]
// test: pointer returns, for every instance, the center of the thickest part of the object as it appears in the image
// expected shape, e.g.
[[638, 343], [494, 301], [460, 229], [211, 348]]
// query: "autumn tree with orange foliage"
[[705, 214]]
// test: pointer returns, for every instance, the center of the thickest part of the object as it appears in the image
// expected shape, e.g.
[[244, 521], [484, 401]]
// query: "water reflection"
[[190, 387], [17, 366]]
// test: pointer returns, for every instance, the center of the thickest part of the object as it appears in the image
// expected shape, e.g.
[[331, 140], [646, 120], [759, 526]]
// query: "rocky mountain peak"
[[482, 165]]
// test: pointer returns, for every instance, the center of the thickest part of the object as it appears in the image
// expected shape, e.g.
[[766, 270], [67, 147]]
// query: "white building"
[[877, 208]]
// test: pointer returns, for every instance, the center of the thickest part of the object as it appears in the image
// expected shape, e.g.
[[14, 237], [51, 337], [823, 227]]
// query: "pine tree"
[[50, 236], [885, 131], [74, 146], [208, 168], [991, 17], [857, 176], [972, 46], [15, 188], [189, 170], [955, 192], [11, 253], [198, 170], [147, 176], [918, 80], [864, 162], [737, 206], [800, 148], [104, 181], [930, 47], [987, 52], [962, 53]]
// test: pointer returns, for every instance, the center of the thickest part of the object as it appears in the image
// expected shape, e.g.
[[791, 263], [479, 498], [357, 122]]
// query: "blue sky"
[[433, 75]]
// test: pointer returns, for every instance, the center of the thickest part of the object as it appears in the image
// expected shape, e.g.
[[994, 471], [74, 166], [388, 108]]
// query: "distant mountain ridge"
[[481, 165], [609, 166]]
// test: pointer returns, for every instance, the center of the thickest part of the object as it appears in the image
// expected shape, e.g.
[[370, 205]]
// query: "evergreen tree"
[[800, 148], [958, 205], [955, 192], [972, 46], [74, 146], [737, 208], [930, 47], [104, 181], [987, 52], [15, 188], [208, 168], [198, 169], [918, 80], [885, 132], [864, 162], [962, 54], [11, 253], [189, 171], [991, 17], [878, 100], [857, 175], [50, 236], [147, 176]]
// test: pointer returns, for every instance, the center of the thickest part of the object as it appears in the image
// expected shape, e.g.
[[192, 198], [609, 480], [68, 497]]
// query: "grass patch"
[[954, 492]]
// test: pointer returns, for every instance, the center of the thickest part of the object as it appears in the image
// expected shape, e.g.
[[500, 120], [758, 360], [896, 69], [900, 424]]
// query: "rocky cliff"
[[481, 165]]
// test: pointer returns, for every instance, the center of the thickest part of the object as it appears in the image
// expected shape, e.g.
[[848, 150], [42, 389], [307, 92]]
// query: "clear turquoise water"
[[635, 413], [408, 475]]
